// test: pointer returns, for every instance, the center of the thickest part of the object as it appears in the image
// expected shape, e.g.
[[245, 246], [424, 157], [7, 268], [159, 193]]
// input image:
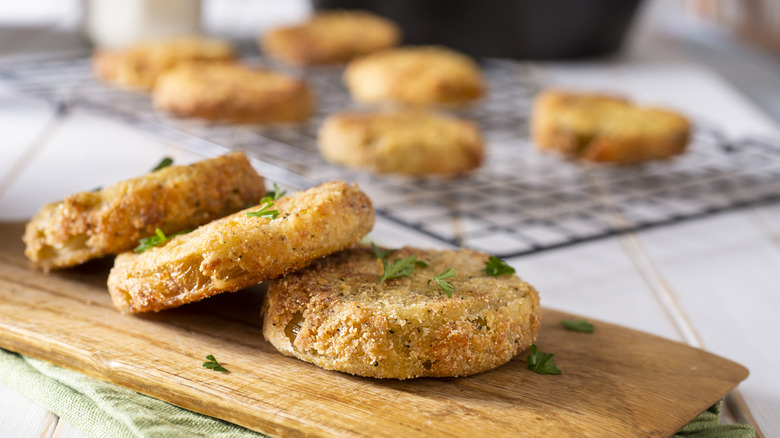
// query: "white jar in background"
[[118, 23]]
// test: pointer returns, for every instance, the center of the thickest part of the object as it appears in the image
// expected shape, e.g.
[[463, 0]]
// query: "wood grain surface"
[[615, 382]]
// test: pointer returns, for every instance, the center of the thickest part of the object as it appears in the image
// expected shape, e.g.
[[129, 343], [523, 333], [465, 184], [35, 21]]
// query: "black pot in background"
[[525, 29]]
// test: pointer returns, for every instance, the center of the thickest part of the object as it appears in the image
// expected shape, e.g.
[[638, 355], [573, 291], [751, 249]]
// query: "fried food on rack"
[[337, 315], [111, 220], [603, 128], [425, 75], [242, 249], [234, 93], [331, 37], [414, 142], [140, 65]]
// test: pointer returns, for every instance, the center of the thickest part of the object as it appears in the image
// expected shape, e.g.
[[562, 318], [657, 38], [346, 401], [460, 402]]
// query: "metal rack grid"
[[519, 202]]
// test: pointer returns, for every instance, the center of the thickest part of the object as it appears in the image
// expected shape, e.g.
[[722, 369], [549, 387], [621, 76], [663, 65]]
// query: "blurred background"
[[740, 40]]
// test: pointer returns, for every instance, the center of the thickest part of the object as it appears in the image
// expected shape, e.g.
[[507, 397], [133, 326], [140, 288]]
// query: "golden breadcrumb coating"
[[111, 220], [331, 37], [425, 75], [602, 128], [239, 250], [234, 93], [140, 65], [336, 315], [412, 142]]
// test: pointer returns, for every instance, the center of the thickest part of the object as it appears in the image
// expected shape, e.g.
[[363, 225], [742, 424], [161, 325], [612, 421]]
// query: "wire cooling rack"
[[519, 202]]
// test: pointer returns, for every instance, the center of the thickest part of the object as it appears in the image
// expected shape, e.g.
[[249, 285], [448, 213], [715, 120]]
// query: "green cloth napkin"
[[104, 410], [707, 425]]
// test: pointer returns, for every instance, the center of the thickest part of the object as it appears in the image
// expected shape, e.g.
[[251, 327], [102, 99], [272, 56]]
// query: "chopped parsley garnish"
[[267, 203], [273, 196], [446, 286], [541, 363], [167, 161], [264, 211], [495, 267], [212, 364], [399, 268], [577, 326], [380, 253], [158, 238]]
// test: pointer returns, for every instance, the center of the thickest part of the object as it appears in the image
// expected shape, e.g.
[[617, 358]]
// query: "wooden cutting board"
[[615, 382]]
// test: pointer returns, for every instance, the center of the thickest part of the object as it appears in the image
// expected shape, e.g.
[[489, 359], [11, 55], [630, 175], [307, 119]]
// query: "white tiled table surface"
[[712, 283]]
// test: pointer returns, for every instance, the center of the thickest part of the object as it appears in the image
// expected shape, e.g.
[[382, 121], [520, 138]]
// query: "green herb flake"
[[212, 364], [152, 241], [167, 161], [495, 267], [264, 211], [577, 326], [380, 253], [541, 363], [400, 268], [446, 286], [273, 196]]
